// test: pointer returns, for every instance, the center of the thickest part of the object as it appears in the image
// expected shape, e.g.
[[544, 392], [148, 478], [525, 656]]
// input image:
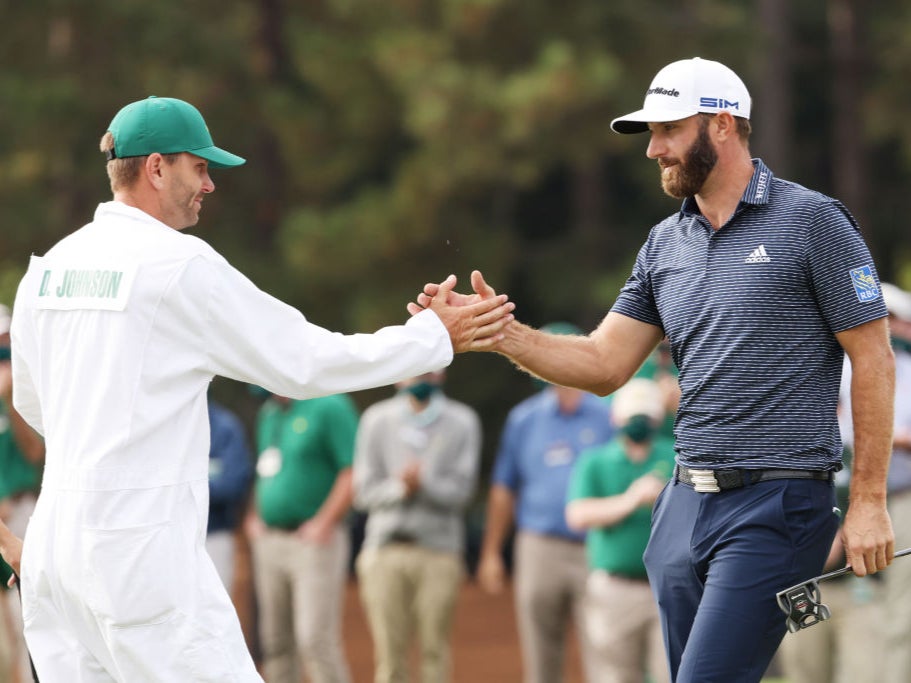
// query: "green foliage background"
[[391, 143]]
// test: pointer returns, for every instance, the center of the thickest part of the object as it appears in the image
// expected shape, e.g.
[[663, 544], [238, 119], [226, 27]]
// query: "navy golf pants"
[[716, 561]]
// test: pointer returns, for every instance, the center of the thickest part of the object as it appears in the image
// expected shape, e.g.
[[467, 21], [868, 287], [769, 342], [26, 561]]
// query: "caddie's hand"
[[431, 289], [868, 537], [473, 326]]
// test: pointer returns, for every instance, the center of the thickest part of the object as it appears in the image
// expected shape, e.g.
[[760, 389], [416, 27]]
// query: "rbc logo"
[[718, 103], [864, 283]]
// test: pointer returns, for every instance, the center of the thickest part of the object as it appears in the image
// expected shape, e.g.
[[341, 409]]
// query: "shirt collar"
[[117, 209], [756, 192]]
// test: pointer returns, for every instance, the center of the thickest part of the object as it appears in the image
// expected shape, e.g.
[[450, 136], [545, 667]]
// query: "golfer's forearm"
[[567, 360], [872, 391]]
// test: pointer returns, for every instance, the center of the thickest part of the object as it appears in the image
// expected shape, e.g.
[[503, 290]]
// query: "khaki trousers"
[[624, 628], [406, 589], [300, 594], [897, 596], [550, 578]]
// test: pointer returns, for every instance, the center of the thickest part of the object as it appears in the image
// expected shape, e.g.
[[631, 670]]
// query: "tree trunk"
[[774, 126], [849, 163]]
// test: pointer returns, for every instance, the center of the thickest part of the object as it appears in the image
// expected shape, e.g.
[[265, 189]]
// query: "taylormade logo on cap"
[[684, 88]]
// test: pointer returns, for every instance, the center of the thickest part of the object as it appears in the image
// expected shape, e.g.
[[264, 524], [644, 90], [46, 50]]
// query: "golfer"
[[117, 332], [761, 287]]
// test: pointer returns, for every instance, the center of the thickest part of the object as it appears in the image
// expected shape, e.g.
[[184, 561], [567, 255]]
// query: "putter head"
[[801, 604]]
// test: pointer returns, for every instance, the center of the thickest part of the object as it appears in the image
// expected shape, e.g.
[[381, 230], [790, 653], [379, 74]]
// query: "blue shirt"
[[538, 448], [751, 311], [230, 468]]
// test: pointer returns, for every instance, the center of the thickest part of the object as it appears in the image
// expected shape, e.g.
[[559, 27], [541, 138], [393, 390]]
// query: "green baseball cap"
[[167, 126]]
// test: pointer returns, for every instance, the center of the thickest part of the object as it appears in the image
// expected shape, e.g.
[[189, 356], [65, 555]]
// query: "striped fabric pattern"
[[751, 311]]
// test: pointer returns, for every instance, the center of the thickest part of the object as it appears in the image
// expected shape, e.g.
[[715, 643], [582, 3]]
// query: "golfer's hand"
[[474, 323], [868, 537], [481, 291]]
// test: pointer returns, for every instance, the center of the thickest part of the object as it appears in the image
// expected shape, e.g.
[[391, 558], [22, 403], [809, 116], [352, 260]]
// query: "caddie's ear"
[[153, 169]]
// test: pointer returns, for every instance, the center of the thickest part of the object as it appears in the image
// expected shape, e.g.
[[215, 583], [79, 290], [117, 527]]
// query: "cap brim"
[[637, 122], [217, 157]]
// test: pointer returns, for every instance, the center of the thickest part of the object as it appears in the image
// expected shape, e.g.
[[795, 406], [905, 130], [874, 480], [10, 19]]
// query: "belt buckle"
[[704, 481]]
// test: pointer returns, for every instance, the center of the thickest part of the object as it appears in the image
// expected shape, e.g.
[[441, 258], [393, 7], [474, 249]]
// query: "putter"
[[802, 602]]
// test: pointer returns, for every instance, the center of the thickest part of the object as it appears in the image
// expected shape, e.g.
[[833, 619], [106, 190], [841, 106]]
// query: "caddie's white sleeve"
[[25, 397], [253, 337]]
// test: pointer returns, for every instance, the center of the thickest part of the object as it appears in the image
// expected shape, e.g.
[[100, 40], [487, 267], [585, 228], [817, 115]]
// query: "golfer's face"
[[684, 153], [669, 142], [188, 181]]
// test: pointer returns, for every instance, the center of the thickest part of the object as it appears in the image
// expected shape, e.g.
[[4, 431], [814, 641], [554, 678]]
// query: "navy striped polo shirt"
[[751, 311]]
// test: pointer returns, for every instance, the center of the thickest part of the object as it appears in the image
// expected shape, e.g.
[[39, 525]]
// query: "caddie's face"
[[685, 154], [187, 182]]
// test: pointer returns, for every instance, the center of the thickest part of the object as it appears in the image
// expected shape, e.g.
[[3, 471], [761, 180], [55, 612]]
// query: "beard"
[[686, 178]]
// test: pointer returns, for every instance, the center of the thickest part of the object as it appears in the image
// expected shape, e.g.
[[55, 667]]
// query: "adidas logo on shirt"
[[758, 255]]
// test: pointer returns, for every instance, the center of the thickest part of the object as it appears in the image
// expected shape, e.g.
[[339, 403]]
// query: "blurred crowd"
[[567, 518]]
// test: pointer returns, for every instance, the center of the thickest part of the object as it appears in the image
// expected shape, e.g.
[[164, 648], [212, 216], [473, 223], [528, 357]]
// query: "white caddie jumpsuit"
[[116, 334]]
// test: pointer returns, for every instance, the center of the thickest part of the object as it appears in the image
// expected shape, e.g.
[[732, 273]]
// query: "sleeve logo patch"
[[864, 283]]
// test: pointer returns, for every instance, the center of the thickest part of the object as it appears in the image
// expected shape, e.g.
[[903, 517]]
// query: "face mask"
[[422, 391], [258, 392], [900, 344], [639, 429]]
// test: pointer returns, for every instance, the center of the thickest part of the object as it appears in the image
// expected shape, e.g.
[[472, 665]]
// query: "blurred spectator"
[[415, 469], [541, 440], [659, 366], [611, 494], [299, 538], [230, 472], [21, 462]]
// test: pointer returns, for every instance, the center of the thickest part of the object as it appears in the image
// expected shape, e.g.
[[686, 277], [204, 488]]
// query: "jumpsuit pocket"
[[131, 576]]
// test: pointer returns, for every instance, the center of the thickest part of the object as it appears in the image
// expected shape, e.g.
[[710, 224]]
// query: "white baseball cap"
[[684, 88], [639, 396], [5, 319], [897, 300]]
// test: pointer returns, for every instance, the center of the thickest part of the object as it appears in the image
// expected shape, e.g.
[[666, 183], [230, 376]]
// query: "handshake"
[[476, 322]]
